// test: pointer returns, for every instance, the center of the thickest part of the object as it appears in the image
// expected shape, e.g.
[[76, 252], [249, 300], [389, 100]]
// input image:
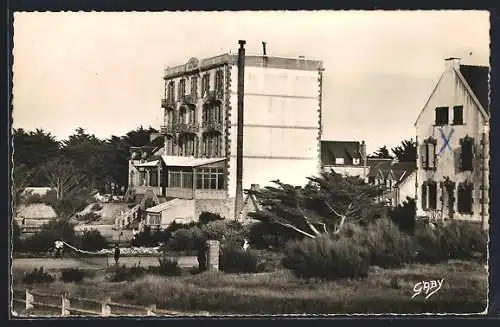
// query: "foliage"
[[206, 217], [186, 239], [123, 273], [38, 275], [149, 238], [90, 217], [404, 216], [92, 240], [382, 153], [96, 207], [455, 240], [168, 267], [406, 152], [234, 259], [387, 245], [322, 206], [43, 241], [72, 275], [265, 235], [16, 237], [225, 231], [327, 257]]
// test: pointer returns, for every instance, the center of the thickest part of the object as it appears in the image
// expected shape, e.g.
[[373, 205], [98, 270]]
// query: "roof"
[[164, 206], [37, 190], [178, 161], [339, 149], [377, 165], [37, 211], [478, 79]]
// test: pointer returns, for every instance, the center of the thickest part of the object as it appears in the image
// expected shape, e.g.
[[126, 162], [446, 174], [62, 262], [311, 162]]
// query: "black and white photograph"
[[241, 163]]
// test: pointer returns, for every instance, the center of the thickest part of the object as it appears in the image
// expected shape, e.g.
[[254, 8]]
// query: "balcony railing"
[[180, 128], [212, 126], [168, 103], [190, 99]]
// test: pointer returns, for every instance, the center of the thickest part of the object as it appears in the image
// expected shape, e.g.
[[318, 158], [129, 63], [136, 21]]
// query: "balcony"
[[168, 103], [212, 126], [180, 128], [190, 99]]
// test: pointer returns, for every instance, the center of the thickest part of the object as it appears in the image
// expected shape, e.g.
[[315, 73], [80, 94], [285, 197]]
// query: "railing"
[[180, 128], [212, 126], [168, 103], [65, 308]]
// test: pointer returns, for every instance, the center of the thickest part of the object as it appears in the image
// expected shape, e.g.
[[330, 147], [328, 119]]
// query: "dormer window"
[[355, 161], [442, 116], [339, 161], [458, 115]]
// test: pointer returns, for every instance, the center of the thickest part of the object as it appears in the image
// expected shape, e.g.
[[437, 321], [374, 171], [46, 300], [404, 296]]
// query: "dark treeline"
[[76, 166]]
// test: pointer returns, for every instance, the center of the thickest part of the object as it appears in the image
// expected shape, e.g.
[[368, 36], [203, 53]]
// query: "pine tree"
[[324, 205]]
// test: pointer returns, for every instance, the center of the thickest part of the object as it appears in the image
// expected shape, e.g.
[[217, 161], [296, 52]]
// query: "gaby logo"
[[427, 288]]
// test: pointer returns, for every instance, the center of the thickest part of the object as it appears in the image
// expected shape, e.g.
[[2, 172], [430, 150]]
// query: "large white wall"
[[281, 126]]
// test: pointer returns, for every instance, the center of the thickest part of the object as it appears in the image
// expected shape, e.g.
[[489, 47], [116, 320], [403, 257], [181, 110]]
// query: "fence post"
[[213, 255], [105, 308], [150, 310], [65, 305], [29, 300]]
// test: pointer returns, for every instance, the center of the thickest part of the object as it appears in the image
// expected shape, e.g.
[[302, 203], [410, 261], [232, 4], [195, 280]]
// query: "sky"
[[103, 71]]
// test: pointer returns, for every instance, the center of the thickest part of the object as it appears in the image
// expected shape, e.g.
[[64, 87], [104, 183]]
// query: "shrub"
[[96, 207], [263, 235], [236, 260], [429, 244], [69, 275], [228, 232], [404, 216], [124, 273], [92, 240], [17, 243], [388, 247], [38, 275], [206, 217], [185, 239], [326, 257], [43, 241], [90, 217], [168, 267]]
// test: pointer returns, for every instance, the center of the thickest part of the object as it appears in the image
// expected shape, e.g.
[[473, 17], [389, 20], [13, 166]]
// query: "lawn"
[[464, 290]]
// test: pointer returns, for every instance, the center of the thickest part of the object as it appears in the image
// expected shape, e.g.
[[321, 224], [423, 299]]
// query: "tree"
[[406, 152], [382, 153], [22, 176], [323, 206]]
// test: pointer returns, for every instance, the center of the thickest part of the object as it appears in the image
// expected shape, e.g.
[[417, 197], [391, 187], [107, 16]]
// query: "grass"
[[464, 291]]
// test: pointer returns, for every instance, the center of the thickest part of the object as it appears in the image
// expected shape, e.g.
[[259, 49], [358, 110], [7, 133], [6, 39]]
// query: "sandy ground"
[[92, 262]]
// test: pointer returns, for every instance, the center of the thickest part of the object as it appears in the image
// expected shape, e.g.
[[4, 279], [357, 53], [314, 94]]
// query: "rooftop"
[[339, 149], [478, 79]]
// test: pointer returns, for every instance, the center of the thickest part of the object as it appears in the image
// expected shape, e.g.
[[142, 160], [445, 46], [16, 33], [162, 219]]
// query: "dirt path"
[[92, 262]]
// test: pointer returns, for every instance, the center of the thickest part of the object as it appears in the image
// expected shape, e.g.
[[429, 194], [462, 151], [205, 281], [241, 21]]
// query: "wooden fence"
[[64, 307]]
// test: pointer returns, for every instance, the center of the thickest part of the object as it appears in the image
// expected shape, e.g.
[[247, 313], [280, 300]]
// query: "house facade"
[[453, 146], [198, 162], [344, 157]]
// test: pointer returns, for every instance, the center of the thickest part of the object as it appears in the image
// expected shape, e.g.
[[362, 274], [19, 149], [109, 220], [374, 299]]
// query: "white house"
[[453, 146]]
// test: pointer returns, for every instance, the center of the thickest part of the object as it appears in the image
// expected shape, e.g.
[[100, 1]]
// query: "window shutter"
[[424, 196]]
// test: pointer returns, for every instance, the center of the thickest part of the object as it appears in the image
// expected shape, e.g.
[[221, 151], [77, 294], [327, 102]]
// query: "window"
[[355, 161], [205, 85], [219, 81], [180, 179], [339, 161], [194, 86], [466, 153], [171, 91], [428, 154], [182, 89], [442, 116], [154, 219], [210, 179], [464, 195], [458, 115], [429, 195]]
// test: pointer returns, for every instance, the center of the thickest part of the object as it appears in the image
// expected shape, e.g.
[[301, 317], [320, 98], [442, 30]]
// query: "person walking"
[[58, 246], [117, 253]]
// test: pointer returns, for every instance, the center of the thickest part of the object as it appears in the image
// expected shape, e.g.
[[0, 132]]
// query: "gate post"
[[29, 300], [213, 255], [65, 305], [105, 308]]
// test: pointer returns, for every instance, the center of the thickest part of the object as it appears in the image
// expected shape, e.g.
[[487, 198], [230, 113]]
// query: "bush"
[[405, 216], [236, 260], [226, 231], [38, 275], [185, 239], [206, 217], [388, 247], [70, 275], [168, 267], [326, 257], [96, 207], [92, 240], [90, 217], [263, 235], [43, 241], [17, 243], [124, 273]]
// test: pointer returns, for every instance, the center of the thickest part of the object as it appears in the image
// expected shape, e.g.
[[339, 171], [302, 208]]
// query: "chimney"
[[452, 63], [264, 49], [238, 203], [362, 149]]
